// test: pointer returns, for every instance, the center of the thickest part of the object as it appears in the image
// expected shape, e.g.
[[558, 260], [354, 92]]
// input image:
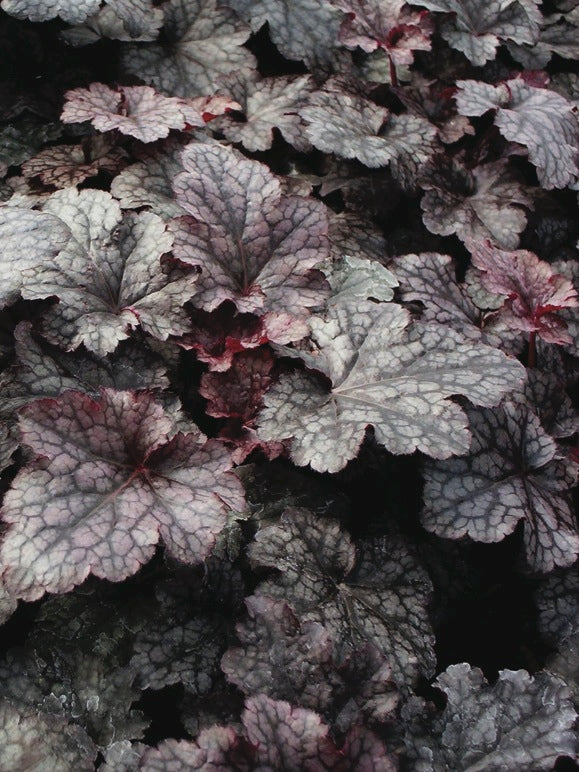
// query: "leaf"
[[558, 35], [385, 373], [217, 336], [279, 656], [354, 236], [476, 29], [557, 602], [31, 740], [138, 111], [431, 279], [254, 246], [353, 127], [188, 653], [109, 278], [521, 722], [267, 104], [148, 183], [301, 29], [387, 24], [66, 165], [29, 239], [73, 11], [113, 481], [89, 691], [375, 596], [354, 278], [203, 41], [41, 371], [514, 472], [541, 120], [8, 445], [534, 292], [485, 203]]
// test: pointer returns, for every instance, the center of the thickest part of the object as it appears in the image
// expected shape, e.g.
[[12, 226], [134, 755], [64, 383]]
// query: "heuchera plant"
[[288, 341]]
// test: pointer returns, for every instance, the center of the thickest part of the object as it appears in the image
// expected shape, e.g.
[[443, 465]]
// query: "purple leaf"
[[32, 740], [387, 24], [267, 104], [476, 28], [113, 481], [254, 246], [514, 472], [73, 11], [204, 40], [538, 118], [485, 203], [377, 597], [66, 165], [534, 292], [387, 374], [138, 111], [521, 722], [353, 127], [109, 278], [301, 29]]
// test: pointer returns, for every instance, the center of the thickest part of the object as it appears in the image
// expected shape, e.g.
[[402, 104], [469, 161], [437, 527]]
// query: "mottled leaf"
[[66, 165], [353, 127], [485, 203], [538, 118], [387, 24], [534, 292], [29, 239], [387, 374], [138, 111], [113, 481], [377, 595], [267, 104], [431, 279], [128, 20], [73, 11], [90, 691], [513, 472], [254, 246], [41, 371], [36, 741], [301, 29], [148, 182], [477, 28], [203, 40], [188, 653], [354, 278], [521, 722], [558, 606], [109, 278]]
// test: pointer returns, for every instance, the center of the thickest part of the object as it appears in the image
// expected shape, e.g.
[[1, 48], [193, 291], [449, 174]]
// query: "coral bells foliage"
[[288, 347]]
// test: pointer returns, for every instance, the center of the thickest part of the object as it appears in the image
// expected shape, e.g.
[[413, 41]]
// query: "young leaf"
[[387, 374], [522, 722], [113, 481], [148, 182], [281, 657], [73, 11], [431, 279], [538, 118], [204, 40], [32, 740], [301, 29], [67, 165], [138, 111], [29, 239], [477, 28], [377, 596], [533, 290], [484, 203], [267, 104], [109, 278], [254, 246], [513, 472], [387, 24], [353, 127]]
